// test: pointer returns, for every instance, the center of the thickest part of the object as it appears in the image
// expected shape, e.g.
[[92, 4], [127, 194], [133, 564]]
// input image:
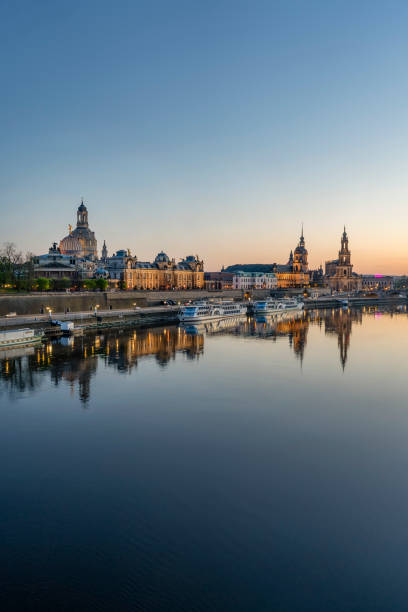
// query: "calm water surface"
[[257, 467]]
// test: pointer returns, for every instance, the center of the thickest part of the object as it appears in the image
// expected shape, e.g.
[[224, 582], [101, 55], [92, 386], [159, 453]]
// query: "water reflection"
[[76, 360]]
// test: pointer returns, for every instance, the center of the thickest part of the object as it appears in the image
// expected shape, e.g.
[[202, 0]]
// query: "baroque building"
[[163, 273], [80, 242], [339, 272], [56, 265], [296, 272]]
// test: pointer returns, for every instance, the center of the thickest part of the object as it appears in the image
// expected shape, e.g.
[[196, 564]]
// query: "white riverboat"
[[19, 337], [210, 311], [271, 306]]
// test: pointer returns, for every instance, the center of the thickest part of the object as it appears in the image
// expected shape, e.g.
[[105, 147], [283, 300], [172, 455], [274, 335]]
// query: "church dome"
[[300, 250], [70, 245], [162, 257]]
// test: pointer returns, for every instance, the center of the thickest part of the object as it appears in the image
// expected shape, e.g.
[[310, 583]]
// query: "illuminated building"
[[296, 272], [80, 242], [163, 273], [339, 272], [373, 282]]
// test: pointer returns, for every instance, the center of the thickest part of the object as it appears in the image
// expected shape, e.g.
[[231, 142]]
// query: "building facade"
[[218, 281], [162, 274], [56, 265], [245, 281], [339, 272], [374, 282]]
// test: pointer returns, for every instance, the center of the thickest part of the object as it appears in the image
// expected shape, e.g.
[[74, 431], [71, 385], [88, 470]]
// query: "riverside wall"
[[37, 303]]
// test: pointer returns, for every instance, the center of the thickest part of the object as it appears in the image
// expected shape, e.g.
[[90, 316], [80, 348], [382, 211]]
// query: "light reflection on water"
[[244, 465]]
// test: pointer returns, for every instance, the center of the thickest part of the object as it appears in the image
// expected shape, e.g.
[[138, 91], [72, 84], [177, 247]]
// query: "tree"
[[11, 262], [42, 284], [102, 284], [10, 253], [122, 285], [90, 284], [59, 284], [25, 279]]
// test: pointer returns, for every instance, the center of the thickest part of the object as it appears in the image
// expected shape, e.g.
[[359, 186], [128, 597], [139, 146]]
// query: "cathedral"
[[339, 272], [80, 242]]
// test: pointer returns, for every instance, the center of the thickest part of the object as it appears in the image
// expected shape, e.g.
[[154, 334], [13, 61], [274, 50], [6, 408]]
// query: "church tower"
[[345, 267], [339, 271], [300, 256], [104, 251], [344, 253]]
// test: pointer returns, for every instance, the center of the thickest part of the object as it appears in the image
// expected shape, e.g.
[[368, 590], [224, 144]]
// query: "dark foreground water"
[[262, 467]]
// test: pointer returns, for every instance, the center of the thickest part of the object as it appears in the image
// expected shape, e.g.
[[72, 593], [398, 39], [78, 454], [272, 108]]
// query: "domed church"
[[80, 242]]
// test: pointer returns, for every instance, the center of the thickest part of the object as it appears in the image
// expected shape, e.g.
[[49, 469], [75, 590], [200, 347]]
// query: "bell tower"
[[82, 215], [344, 253], [299, 263]]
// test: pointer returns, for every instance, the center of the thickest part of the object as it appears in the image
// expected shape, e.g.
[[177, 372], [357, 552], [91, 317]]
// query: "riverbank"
[[40, 303], [162, 315], [158, 315], [359, 301]]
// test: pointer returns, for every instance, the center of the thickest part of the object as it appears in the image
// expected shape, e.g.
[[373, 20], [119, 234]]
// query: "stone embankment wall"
[[37, 303]]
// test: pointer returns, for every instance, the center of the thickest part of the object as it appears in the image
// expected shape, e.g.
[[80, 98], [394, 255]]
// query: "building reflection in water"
[[339, 324], [75, 360], [294, 326]]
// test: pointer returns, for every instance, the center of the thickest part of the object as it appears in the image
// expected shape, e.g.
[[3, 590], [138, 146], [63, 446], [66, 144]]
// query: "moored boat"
[[207, 311], [19, 337], [271, 305]]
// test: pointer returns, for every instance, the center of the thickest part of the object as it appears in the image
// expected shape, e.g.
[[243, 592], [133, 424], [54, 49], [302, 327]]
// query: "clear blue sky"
[[207, 127]]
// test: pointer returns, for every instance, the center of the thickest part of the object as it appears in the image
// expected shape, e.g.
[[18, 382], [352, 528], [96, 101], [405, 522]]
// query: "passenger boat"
[[19, 337], [208, 311], [271, 305]]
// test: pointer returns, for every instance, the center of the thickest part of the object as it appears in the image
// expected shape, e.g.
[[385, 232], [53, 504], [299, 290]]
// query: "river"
[[253, 466]]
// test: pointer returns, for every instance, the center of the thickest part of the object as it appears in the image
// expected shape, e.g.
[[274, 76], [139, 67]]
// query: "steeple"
[[344, 242], [302, 238], [104, 251]]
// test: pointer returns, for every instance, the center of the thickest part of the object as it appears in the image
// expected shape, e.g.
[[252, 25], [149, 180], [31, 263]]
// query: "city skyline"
[[214, 130], [101, 243]]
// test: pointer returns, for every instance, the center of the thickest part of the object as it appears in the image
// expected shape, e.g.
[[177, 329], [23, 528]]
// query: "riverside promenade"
[[160, 314], [153, 315]]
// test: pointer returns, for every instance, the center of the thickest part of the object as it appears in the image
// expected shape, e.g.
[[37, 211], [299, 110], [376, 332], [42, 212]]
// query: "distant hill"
[[250, 268]]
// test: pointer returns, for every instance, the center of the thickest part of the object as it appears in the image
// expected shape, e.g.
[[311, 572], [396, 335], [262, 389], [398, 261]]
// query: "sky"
[[209, 128]]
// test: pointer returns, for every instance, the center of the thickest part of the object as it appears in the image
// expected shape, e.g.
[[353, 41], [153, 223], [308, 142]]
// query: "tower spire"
[[302, 238]]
